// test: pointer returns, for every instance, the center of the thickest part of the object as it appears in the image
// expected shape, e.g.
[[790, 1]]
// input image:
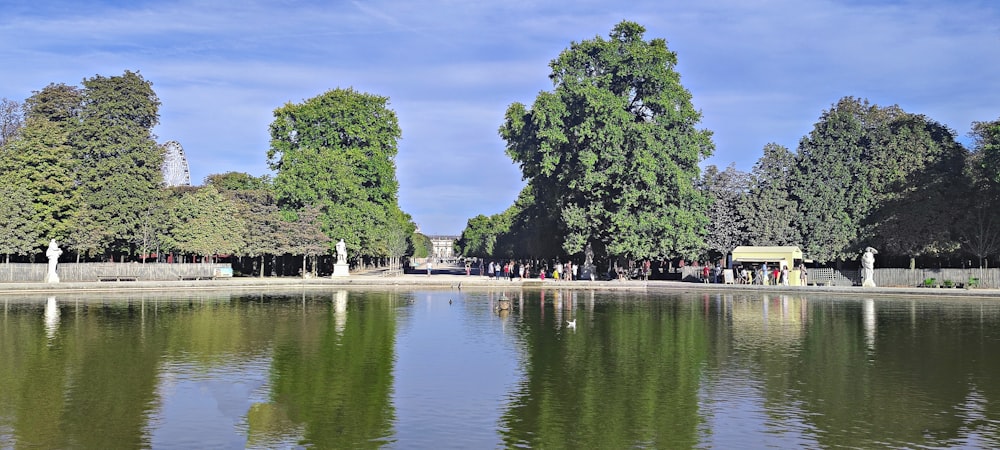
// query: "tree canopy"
[[611, 154], [336, 152]]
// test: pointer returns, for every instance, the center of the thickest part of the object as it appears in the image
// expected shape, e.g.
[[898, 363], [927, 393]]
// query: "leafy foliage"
[[770, 210], [119, 171], [336, 152], [865, 175], [18, 233], [612, 153], [727, 191], [209, 224]]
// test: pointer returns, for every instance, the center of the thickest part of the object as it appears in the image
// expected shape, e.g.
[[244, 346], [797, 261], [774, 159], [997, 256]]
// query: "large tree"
[[727, 190], [18, 231], [120, 171], [613, 151], [871, 175], [209, 224], [770, 211], [42, 159], [978, 229], [336, 152]]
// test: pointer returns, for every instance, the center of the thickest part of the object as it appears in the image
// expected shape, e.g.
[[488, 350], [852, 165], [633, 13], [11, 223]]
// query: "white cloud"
[[759, 71]]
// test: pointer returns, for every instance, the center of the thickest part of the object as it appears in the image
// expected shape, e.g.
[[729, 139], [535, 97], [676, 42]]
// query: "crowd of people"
[[517, 269], [760, 274]]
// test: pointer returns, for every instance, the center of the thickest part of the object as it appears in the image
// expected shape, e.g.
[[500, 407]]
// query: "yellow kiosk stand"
[[790, 256]]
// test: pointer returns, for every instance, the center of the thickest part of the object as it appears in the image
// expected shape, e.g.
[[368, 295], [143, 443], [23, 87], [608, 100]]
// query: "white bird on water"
[[571, 323]]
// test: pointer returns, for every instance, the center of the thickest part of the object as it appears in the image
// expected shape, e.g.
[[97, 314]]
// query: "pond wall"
[[19, 272]]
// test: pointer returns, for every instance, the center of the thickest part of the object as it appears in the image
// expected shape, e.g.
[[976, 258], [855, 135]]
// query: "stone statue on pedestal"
[[340, 268], [341, 252], [53, 254], [868, 267]]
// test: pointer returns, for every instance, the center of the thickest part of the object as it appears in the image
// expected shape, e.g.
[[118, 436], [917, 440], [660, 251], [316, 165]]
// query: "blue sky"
[[760, 71]]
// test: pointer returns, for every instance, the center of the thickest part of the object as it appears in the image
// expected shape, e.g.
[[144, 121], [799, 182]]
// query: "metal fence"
[[17, 272]]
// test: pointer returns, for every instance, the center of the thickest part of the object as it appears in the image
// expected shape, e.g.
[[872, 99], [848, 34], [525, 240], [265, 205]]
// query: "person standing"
[[803, 275], [430, 267], [784, 275]]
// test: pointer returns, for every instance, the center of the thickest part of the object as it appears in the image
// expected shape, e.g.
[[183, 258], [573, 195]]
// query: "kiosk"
[[789, 256]]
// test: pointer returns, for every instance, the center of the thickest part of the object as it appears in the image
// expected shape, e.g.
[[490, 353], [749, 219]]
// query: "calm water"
[[443, 369]]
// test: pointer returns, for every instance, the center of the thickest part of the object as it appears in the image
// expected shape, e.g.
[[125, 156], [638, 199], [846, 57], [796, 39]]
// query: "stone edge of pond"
[[472, 282]]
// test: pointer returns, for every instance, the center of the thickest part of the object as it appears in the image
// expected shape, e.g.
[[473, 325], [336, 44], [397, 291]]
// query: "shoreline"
[[461, 281]]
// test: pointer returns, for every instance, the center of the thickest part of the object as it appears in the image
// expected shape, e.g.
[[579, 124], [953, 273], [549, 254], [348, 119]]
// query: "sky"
[[760, 71]]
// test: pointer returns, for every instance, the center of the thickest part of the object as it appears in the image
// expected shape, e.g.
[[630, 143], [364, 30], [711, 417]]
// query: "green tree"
[[86, 235], [924, 167], [120, 170], [306, 237], [238, 181], [478, 237], [18, 233], [42, 159], [336, 151], [727, 191], [422, 245], [613, 151], [986, 141], [43, 162], [58, 103], [209, 225], [770, 210], [865, 173], [978, 231]]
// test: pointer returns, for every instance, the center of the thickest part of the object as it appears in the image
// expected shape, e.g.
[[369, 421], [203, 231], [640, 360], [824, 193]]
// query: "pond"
[[447, 369]]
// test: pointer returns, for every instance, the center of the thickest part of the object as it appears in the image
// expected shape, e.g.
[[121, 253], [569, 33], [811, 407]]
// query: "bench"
[[117, 278]]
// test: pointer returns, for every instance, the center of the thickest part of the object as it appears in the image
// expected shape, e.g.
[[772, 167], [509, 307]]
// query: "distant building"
[[175, 165], [444, 247]]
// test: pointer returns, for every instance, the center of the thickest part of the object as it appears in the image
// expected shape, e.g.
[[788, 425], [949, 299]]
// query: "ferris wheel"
[[175, 165]]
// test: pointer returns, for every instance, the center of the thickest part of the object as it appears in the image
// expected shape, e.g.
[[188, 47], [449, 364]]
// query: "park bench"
[[117, 278]]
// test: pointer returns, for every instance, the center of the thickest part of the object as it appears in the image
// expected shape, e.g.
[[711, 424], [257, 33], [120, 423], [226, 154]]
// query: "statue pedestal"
[[588, 272], [340, 270], [868, 282]]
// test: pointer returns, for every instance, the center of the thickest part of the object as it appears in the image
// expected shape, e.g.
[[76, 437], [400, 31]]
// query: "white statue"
[[341, 252], [53, 254], [868, 267]]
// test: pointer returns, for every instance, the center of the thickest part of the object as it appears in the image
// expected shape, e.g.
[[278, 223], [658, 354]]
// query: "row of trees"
[[611, 158], [866, 175], [81, 165]]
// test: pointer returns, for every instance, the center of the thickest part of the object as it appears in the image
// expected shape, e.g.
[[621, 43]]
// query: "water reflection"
[[51, 318], [448, 368]]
